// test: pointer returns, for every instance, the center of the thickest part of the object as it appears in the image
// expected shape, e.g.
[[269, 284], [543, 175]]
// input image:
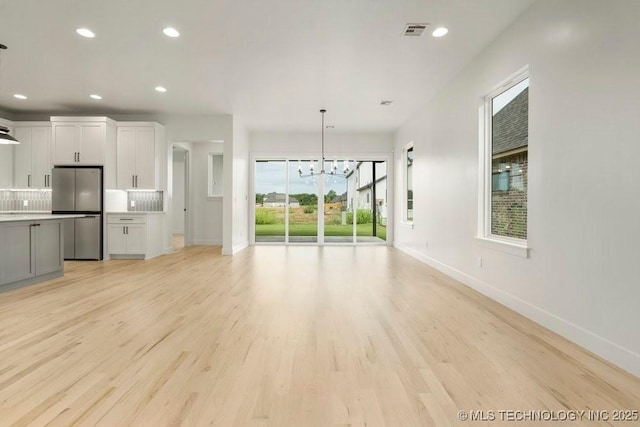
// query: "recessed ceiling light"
[[171, 32], [17, 95], [94, 96], [161, 89], [85, 32], [439, 32]]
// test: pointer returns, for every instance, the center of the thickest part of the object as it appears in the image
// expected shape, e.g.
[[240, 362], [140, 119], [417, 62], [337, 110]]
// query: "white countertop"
[[36, 217]]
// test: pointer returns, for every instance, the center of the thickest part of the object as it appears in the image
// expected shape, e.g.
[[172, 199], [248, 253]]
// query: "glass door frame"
[[287, 158]]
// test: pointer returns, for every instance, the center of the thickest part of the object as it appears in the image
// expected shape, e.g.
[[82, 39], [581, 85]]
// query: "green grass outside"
[[312, 230]]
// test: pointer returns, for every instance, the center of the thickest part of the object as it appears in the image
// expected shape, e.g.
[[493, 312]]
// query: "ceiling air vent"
[[414, 30]]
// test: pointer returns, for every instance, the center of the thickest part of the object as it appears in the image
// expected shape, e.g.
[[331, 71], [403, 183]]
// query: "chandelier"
[[333, 170]]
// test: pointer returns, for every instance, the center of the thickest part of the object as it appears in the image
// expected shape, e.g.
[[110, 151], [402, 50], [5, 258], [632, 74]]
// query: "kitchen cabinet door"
[[136, 239], [145, 158], [48, 247], [91, 143], [41, 157], [22, 158], [117, 240], [64, 143], [6, 165], [17, 262], [126, 157]]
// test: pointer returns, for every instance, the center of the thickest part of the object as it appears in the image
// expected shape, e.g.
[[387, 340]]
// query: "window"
[[216, 183], [408, 164], [505, 161]]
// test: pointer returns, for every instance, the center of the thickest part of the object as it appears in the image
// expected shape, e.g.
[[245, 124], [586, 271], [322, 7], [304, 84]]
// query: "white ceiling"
[[273, 62]]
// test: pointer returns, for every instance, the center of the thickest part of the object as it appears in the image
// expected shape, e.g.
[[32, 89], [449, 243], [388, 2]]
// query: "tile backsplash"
[[145, 201], [14, 200]]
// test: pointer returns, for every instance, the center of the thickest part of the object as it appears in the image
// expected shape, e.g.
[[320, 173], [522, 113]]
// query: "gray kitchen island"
[[31, 248]]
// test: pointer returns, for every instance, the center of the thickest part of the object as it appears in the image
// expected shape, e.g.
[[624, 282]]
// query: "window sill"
[[512, 248]]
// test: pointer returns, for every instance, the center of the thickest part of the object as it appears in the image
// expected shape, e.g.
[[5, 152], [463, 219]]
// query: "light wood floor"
[[178, 241], [282, 336]]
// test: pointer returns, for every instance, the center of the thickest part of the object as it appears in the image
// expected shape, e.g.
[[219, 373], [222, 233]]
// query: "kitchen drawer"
[[127, 219]]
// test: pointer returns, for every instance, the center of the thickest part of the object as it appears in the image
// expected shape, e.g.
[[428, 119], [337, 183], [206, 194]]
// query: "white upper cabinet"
[[32, 157], [6, 158], [80, 140], [139, 154]]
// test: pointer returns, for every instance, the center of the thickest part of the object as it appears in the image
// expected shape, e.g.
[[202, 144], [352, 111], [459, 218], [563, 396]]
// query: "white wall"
[[237, 180], [309, 143], [177, 204], [207, 213], [582, 277]]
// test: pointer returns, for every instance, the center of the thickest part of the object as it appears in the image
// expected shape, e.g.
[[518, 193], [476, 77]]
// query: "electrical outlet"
[[480, 262], [133, 203], [25, 203]]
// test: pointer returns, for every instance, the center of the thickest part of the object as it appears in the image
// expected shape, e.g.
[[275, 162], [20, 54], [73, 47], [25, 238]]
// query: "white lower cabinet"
[[134, 235]]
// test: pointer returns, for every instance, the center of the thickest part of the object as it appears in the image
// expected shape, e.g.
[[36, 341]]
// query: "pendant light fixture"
[[334, 166], [5, 138]]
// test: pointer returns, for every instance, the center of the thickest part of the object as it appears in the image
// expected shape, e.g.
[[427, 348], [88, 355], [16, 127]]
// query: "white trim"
[[486, 157], [610, 351], [210, 156], [509, 247], [207, 242], [405, 184], [235, 249]]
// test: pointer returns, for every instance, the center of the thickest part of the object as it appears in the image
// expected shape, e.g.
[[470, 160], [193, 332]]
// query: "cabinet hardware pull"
[[123, 230], [133, 181], [126, 219], [127, 229]]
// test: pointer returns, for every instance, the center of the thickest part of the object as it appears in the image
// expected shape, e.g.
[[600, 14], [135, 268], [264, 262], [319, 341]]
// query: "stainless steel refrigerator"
[[78, 190]]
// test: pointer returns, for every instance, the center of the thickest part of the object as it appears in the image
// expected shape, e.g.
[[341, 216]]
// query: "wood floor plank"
[[278, 336]]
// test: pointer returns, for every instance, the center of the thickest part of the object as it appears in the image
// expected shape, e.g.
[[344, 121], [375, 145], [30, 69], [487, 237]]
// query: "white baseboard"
[[235, 249], [614, 353], [206, 242]]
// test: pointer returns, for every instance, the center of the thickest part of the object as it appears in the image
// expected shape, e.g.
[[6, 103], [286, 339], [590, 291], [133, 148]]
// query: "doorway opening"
[[294, 206], [179, 200]]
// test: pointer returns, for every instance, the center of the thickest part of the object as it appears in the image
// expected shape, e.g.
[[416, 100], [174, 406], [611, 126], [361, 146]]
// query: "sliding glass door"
[[270, 212], [303, 204], [297, 204], [338, 217]]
